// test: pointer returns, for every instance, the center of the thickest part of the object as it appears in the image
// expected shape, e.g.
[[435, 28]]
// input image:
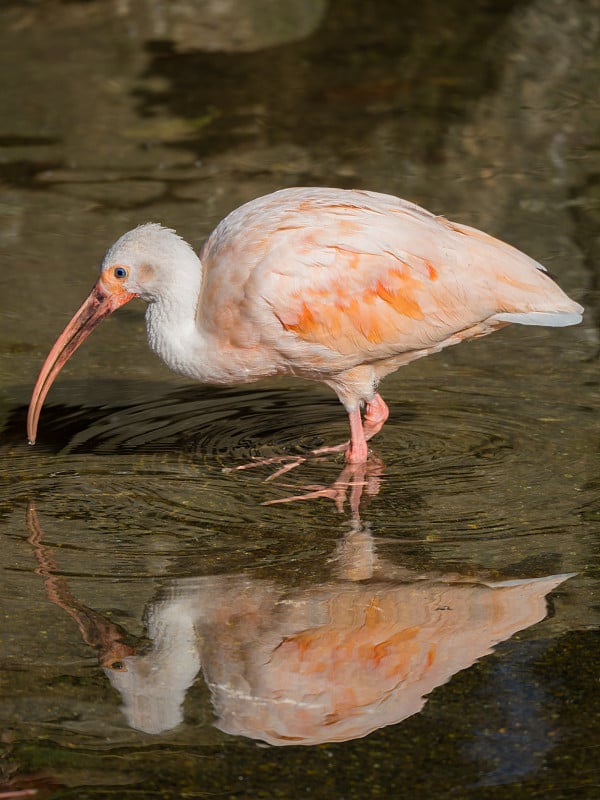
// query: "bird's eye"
[[120, 273]]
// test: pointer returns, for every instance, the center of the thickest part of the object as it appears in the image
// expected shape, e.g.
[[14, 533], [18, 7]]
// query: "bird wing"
[[363, 275], [371, 303], [374, 277]]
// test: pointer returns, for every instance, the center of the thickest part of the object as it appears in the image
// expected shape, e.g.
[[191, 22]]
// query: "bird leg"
[[356, 448], [361, 431], [375, 416]]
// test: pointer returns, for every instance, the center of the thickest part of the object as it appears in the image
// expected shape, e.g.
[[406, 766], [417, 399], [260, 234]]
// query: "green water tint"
[[123, 538]]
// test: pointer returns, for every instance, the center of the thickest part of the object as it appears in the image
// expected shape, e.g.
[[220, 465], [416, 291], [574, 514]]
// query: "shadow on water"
[[238, 422]]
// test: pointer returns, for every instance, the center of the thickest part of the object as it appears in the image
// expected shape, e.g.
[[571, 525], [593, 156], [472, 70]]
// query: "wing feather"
[[362, 275]]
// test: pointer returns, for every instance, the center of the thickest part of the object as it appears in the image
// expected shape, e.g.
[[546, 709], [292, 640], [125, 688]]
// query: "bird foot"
[[288, 463], [353, 480]]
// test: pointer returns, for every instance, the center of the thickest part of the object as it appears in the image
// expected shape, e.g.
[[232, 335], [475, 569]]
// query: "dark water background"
[[146, 595]]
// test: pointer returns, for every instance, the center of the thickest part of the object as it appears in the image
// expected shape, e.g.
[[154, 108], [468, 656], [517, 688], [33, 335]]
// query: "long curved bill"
[[99, 304]]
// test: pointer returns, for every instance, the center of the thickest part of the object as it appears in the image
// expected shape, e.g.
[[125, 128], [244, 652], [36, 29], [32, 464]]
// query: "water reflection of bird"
[[302, 665], [336, 286]]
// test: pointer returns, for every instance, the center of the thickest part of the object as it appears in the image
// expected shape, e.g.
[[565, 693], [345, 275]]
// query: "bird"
[[340, 286]]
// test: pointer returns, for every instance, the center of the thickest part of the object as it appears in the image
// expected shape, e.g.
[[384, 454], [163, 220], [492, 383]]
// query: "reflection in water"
[[328, 662], [106, 637], [226, 25], [353, 480], [338, 661]]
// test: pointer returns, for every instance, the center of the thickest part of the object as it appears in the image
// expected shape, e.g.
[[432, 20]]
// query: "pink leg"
[[356, 448], [376, 414], [357, 451]]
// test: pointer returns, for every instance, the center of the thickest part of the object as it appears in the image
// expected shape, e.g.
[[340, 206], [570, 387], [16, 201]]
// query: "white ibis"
[[338, 286]]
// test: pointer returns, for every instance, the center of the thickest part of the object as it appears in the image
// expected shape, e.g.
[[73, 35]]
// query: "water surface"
[[167, 629]]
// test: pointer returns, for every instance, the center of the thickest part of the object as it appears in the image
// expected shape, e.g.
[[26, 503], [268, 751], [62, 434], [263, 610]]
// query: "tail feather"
[[556, 319], [524, 290]]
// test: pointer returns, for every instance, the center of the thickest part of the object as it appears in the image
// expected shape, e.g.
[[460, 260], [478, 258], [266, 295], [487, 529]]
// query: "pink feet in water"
[[360, 472], [350, 485], [376, 413], [357, 450]]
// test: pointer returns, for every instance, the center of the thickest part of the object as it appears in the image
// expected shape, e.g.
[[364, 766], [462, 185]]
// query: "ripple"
[[434, 429], [460, 460], [235, 422]]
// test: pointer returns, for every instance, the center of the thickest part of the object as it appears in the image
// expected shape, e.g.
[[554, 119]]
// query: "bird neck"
[[171, 319]]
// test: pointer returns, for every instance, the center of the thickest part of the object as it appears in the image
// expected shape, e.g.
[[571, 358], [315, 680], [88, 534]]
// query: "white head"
[[150, 262]]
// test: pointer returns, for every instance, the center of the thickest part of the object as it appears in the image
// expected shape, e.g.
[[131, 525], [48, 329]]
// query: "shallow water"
[[428, 626]]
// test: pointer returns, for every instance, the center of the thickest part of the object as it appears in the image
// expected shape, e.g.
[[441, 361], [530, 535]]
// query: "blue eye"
[[120, 272]]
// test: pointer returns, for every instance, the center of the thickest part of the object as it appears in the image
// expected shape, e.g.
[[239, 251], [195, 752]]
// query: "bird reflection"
[[111, 641], [322, 663]]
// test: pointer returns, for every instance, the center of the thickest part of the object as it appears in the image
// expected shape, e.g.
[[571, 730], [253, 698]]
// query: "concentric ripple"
[[236, 423], [450, 460], [433, 427]]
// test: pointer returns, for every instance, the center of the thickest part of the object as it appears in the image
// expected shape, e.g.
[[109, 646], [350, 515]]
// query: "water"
[[427, 627]]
